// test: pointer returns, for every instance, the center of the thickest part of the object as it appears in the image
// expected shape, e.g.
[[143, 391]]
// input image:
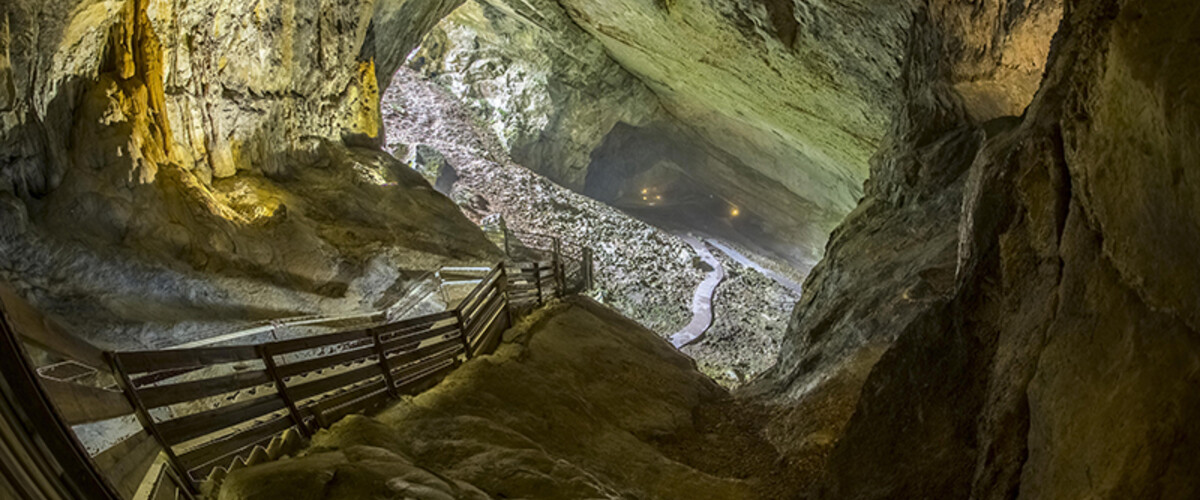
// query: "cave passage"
[[644, 172]]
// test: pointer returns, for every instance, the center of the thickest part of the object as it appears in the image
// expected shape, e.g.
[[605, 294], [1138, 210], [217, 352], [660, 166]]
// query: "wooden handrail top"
[[183, 359]]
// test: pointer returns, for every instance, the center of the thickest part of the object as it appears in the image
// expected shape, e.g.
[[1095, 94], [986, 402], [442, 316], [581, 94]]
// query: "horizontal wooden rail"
[[183, 359], [314, 364], [321, 386], [184, 429], [169, 394], [417, 355], [304, 344], [414, 324]]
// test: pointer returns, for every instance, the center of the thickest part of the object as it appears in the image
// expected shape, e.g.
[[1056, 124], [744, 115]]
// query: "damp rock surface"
[[1011, 356]]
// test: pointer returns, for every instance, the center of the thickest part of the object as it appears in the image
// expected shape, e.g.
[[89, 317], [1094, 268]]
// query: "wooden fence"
[[573, 263], [205, 411]]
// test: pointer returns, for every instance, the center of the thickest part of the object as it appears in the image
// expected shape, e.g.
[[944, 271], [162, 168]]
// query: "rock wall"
[[202, 85], [213, 155], [1009, 311], [642, 272], [1042, 351], [546, 88], [783, 102], [799, 90]]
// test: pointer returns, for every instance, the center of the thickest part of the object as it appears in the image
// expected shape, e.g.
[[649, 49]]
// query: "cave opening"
[[645, 172], [685, 246]]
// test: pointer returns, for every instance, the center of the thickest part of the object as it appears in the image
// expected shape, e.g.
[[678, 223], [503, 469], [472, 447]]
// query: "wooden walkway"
[[702, 311], [204, 411]]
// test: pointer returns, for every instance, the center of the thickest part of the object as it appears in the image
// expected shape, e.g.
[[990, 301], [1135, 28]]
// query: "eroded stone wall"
[[546, 88], [214, 155], [1051, 359]]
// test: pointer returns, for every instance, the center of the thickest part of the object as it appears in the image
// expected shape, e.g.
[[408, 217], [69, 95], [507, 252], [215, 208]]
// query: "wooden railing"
[[573, 262], [205, 411]]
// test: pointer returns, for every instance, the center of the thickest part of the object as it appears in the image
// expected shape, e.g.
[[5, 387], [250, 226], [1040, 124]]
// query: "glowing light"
[[644, 190], [658, 197], [644, 198], [735, 212]]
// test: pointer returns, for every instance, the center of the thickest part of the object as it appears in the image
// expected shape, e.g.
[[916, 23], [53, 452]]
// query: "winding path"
[[745, 261], [702, 313]]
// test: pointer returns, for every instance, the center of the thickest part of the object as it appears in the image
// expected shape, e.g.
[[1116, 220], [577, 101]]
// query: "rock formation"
[[1045, 353], [160, 160], [546, 87], [996, 317], [775, 106], [640, 271]]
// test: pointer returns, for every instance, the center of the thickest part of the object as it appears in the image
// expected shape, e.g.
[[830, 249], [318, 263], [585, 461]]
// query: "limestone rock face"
[[434, 167], [214, 86], [799, 90], [547, 88], [1041, 351], [226, 149], [896, 252]]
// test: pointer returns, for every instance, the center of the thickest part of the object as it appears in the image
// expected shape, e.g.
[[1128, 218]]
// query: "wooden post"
[[383, 364], [462, 330], [148, 422], [502, 283], [559, 278], [537, 280], [54, 462], [264, 352], [442, 287], [587, 268]]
